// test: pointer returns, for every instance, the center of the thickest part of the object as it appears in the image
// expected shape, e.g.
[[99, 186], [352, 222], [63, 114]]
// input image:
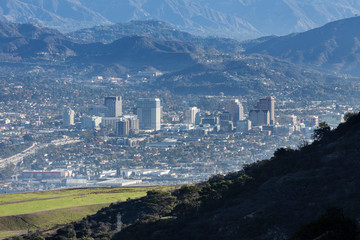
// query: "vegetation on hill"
[[37, 211], [310, 191]]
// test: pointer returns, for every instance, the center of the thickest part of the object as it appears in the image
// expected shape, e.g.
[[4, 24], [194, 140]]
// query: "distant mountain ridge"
[[227, 18], [155, 29], [30, 42], [335, 46]]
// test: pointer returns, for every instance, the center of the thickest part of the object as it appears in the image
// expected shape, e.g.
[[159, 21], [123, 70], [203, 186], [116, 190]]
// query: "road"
[[15, 159]]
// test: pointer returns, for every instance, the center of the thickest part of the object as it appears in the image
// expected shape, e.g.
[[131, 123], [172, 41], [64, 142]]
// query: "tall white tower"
[[149, 113], [267, 103], [236, 109], [192, 115], [68, 117]]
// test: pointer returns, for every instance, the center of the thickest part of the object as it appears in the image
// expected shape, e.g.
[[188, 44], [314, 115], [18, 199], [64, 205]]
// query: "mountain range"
[[30, 42], [155, 29], [191, 64], [240, 19]]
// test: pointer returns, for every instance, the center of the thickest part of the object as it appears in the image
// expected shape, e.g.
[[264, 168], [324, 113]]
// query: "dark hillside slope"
[[270, 199]]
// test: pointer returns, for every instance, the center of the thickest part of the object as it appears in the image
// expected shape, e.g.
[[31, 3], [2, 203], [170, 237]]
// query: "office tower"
[[123, 127], [259, 117], [129, 124], [267, 103], [236, 109], [192, 116], [114, 105], [149, 113], [68, 117], [133, 125]]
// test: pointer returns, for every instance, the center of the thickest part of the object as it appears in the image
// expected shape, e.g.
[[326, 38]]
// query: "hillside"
[[227, 18], [140, 52], [48, 209], [305, 193], [335, 46], [256, 75]]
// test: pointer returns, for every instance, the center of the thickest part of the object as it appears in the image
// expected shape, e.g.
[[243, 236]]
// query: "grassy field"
[[43, 210]]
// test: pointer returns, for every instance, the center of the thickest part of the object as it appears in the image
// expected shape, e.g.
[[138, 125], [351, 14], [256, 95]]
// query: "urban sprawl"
[[153, 142]]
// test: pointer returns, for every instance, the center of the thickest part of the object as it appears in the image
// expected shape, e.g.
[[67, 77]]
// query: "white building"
[[149, 113], [236, 109], [192, 116], [68, 117]]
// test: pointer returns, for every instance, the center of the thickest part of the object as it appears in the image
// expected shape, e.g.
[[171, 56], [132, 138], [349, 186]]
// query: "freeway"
[[15, 159]]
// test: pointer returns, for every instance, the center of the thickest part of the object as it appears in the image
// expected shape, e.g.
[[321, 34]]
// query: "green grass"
[[46, 219], [5, 234], [44, 210], [13, 204]]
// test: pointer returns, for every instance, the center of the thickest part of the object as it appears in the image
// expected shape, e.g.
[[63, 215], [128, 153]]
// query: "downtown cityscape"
[[152, 141]]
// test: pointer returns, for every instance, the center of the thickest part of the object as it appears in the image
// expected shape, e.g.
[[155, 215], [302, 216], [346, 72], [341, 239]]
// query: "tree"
[[28, 138], [159, 203], [348, 116], [321, 131]]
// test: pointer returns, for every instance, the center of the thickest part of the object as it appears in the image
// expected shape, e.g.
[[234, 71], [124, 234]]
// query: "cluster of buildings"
[[109, 116], [147, 116], [176, 146]]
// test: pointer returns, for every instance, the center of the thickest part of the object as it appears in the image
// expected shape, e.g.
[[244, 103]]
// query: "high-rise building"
[[267, 103], [236, 109], [192, 116], [128, 124], [259, 117], [149, 113], [123, 127], [134, 125], [114, 106], [68, 117]]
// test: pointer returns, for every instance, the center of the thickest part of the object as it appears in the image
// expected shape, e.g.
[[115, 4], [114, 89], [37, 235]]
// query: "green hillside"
[[45, 210]]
